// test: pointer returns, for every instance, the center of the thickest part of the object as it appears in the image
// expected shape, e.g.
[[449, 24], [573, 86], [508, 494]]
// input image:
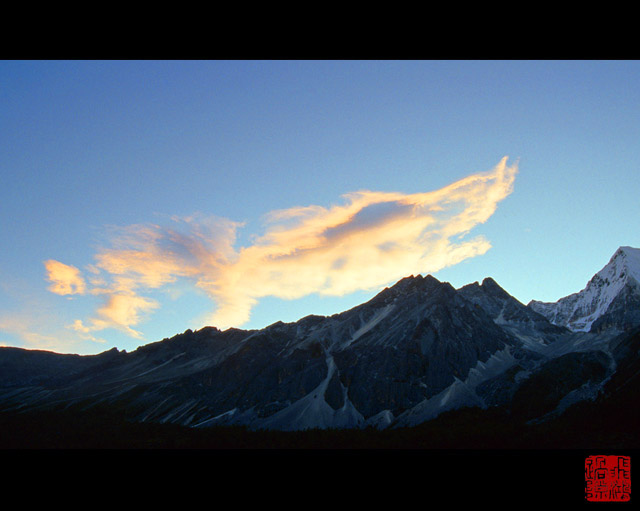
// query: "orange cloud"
[[65, 279], [120, 311], [374, 239]]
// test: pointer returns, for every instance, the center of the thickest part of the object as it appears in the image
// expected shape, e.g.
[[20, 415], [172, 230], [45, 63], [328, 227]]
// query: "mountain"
[[414, 353], [610, 299], [522, 321], [364, 366]]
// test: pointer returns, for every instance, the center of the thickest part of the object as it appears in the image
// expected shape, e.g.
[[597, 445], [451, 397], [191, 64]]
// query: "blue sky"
[[205, 171]]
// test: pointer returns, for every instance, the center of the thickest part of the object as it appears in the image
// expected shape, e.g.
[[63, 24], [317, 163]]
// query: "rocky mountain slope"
[[416, 350]]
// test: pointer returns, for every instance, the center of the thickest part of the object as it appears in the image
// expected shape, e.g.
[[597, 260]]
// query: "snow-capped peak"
[[578, 311], [627, 259]]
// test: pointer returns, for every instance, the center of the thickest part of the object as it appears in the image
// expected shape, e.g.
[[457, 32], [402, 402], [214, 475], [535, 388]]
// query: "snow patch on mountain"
[[368, 325], [459, 393], [313, 411]]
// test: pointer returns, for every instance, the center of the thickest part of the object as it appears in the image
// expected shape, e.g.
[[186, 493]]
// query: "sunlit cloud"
[[120, 311], [65, 279], [371, 240]]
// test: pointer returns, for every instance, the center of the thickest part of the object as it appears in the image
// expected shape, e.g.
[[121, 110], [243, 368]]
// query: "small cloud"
[[78, 326], [120, 311], [65, 279], [123, 310]]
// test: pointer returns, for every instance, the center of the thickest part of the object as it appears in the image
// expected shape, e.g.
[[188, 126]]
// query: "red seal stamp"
[[607, 478]]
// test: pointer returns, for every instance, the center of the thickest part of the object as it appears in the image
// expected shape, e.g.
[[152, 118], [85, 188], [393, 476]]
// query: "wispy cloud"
[[42, 331], [22, 327], [369, 241]]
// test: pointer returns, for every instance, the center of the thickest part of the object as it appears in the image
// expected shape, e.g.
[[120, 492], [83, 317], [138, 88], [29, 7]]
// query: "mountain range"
[[418, 351]]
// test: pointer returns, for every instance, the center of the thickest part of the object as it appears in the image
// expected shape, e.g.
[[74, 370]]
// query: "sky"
[[140, 199]]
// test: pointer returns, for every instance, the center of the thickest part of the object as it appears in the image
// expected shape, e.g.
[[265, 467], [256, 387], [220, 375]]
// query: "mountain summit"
[[513, 316], [611, 297]]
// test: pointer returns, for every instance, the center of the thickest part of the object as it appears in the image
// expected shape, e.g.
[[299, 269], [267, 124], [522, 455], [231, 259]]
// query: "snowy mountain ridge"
[[579, 311]]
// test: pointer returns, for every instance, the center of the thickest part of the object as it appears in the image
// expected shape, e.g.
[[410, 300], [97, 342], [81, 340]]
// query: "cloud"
[[65, 279], [120, 311], [369, 241]]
